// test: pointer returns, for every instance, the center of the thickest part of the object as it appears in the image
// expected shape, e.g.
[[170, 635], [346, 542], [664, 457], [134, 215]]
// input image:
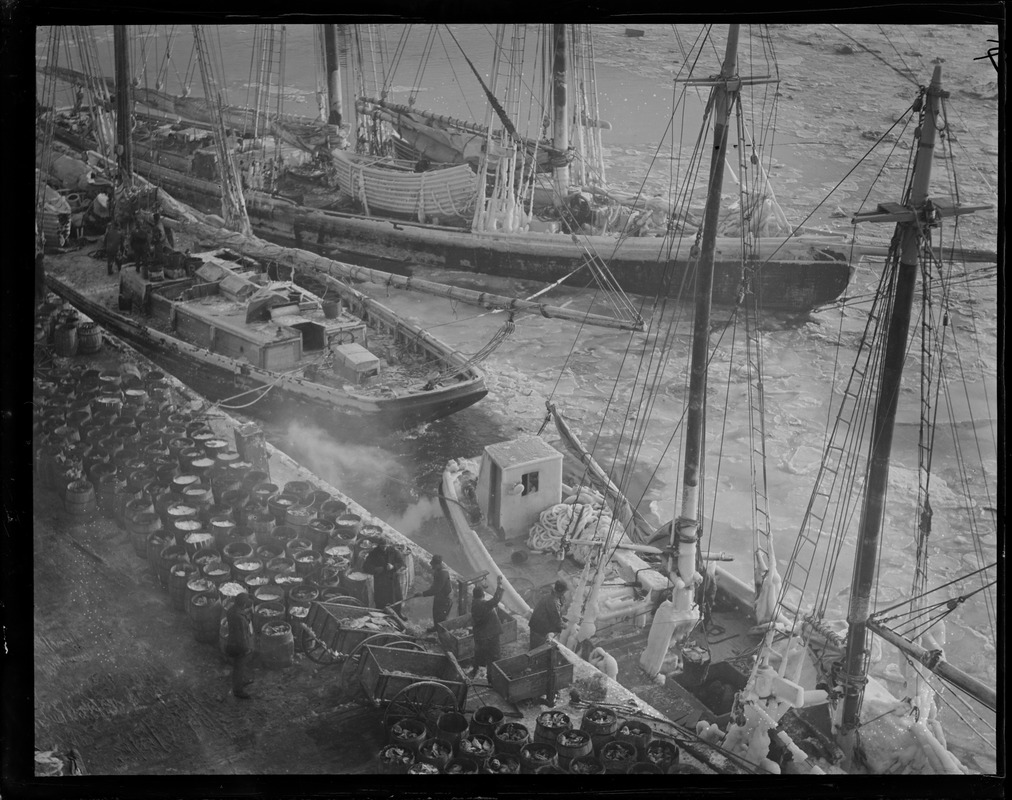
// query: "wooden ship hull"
[[801, 274], [219, 359]]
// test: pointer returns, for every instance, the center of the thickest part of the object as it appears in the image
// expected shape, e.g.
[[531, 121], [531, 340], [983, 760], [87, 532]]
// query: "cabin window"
[[530, 483]]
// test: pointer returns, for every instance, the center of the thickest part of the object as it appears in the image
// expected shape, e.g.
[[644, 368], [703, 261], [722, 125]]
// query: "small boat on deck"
[[229, 323]]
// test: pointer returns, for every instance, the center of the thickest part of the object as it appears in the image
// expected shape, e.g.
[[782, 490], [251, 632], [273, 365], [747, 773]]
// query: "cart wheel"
[[351, 669], [316, 649], [424, 700]]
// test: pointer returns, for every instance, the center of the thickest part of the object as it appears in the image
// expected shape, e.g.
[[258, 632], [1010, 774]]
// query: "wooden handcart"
[[333, 633], [412, 684]]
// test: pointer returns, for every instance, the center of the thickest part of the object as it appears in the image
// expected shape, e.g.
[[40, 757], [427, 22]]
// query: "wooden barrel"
[[307, 562], [238, 500], [499, 764], [277, 645], [319, 532], [572, 744], [298, 488], [262, 493], [222, 528], [218, 572], [195, 539], [637, 733], [616, 756], [141, 526], [299, 517], [89, 338], [476, 746], [358, 585], [450, 727], [296, 546], [549, 725], [254, 582], [535, 755], [347, 527], [269, 593], [222, 483], [269, 550], [601, 724], [205, 617], [282, 565], [510, 737], [436, 751], [183, 519], [394, 759], [662, 753], [267, 614], [245, 568], [586, 765], [279, 504], [65, 340], [260, 524], [180, 574], [79, 500], [331, 510], [460, 765], [409, 733], [195, 587], [166, 558], [183, 481], [233, 551], [485, 720]]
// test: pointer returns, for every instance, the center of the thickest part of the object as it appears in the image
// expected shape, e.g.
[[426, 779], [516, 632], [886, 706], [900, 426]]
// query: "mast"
[[560, 119], [687, 526], [917, 215], [122, 58], [333, 74]]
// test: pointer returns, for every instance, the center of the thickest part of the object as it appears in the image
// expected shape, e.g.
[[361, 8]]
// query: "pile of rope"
[[570, 527]]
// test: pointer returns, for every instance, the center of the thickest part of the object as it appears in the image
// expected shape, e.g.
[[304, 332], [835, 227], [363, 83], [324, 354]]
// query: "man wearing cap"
[[441, 591], [547, 615], [385, 564], [486, 626], [240, 643]]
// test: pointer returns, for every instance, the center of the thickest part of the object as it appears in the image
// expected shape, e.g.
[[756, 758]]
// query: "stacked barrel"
[[207, 523]]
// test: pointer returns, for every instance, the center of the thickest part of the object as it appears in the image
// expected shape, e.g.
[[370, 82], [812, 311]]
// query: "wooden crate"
[[388, 670], [456, 635], [327, 621], [526, 676]]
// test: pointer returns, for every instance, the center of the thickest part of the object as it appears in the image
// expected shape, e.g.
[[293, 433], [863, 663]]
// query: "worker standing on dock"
[[384, 563], [547, 615], [113, 246], [486, 626], [441, 591], [240, 643]]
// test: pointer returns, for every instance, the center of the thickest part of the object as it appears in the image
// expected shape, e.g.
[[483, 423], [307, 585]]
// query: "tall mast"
[[560, 107], [123, 92], [724, 97], [333, 74], [915, 216], [233, 203]]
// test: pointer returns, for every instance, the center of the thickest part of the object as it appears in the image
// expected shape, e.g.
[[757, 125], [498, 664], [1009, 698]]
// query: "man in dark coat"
[[113, 247], [384, 563], [140, 243], [441, 590], [547, 615], [485, 626], [239, 645]]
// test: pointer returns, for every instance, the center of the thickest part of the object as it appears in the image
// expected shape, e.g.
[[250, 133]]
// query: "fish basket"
[[457, 637], [528, 675], [387, 670]]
